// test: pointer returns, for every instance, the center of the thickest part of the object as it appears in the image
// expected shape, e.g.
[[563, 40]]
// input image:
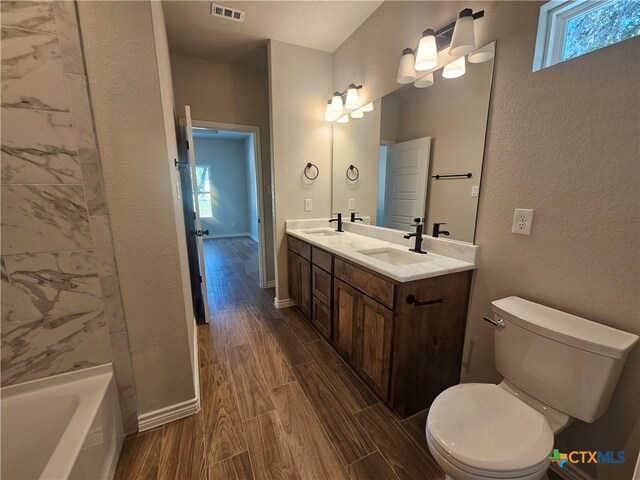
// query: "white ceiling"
[[323, 25]]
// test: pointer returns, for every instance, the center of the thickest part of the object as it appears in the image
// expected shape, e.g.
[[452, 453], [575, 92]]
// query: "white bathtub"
[[63, 427]]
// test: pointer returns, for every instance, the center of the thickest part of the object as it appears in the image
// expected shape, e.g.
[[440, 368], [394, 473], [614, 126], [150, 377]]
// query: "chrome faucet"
[[339, 220], [437, 232], [354, 218], [419, 228]]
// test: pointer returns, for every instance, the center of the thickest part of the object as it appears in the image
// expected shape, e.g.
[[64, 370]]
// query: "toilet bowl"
[[480, 431], [557, 367]]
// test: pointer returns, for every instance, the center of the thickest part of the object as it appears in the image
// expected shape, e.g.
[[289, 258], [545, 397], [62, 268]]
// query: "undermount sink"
[[395, 257], [324, 232]]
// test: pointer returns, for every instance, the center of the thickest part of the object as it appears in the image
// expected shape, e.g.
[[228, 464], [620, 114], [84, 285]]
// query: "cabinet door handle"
[[411, 299]]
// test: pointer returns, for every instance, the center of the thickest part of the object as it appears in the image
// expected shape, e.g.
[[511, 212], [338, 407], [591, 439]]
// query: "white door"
[[197, 223], [406, 185]]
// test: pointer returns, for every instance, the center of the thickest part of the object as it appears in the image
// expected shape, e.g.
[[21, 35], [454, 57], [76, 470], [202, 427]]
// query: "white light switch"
[[474, 190], [522, 220], [352, 204], [308, 205]]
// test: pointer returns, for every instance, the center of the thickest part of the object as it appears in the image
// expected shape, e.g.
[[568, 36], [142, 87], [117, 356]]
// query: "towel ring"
[[309, 167], [353, 167]]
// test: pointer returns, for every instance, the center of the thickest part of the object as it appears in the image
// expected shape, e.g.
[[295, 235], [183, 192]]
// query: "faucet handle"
[[418, 221]]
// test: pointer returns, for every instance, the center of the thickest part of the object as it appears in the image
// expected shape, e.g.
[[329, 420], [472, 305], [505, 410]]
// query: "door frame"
[[262, 259]]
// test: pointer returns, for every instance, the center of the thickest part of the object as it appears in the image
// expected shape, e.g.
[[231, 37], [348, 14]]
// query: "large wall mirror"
[[419, 153]]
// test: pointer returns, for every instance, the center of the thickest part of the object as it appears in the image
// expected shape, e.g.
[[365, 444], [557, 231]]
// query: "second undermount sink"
[[323, 232], [393, 256]]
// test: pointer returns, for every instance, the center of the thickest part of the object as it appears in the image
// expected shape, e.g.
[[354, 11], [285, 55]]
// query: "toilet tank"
[[569, 363]]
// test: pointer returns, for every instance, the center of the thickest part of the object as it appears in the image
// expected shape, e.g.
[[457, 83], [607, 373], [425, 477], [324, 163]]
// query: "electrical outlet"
[[308, 205], [475, 190], [352, 204], [522, 220]]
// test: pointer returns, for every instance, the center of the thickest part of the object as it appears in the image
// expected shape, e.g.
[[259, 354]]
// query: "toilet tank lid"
[[565, 328]]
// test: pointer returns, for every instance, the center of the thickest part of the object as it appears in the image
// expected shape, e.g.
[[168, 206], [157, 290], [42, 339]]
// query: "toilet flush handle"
[[496, 323]]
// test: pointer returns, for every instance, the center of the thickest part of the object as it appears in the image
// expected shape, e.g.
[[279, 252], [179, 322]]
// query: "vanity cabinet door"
[[322, 318], [375, 332], [299, 270], [346, 301]]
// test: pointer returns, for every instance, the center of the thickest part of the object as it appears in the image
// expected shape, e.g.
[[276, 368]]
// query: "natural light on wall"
[[568, 29]]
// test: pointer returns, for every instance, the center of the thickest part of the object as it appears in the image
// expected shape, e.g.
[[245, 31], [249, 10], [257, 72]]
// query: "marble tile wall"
[[61, 307]]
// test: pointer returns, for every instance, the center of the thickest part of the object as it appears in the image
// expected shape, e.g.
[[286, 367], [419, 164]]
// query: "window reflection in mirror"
[[411, 136]]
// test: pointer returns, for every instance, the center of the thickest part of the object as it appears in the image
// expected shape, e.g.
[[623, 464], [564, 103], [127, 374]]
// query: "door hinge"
[[200, 278], [187, 144], [258, 220]]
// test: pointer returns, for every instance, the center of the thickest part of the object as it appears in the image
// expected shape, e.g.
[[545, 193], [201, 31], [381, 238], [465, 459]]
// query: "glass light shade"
[[368, 107], [454, 69], [427, 53], [407, 69], [351, 101], [357, 113], [329, 116], [336, 105], [483, 54], [344, 119], [424, 81], [463, 41]]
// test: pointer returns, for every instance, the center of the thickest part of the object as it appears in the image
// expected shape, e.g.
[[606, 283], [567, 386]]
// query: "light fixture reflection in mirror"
[[357, 113], [448, 120], [454, 69], [483, 54], [344, 119], [424, 81], [367, 108]]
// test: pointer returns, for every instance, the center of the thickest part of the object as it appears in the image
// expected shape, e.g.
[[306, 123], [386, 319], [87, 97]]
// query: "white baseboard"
[[570, 472], [286, 303], [227, 235], [168, 414], [270, 284]]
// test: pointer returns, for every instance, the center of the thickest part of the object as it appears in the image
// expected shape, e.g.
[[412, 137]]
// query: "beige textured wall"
[[563, 141], [166, 94], [357, 143], [454, 114], [299, 85], [129, 117], [225, 93]]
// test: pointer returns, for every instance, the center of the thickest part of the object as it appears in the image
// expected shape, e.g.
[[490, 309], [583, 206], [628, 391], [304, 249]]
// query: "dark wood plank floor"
[[277, 401]]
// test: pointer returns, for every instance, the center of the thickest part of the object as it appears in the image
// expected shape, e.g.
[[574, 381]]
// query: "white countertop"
[[348, 245]]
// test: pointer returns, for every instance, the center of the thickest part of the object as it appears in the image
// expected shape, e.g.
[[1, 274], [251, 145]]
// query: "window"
[[568, 29], [203, 179]]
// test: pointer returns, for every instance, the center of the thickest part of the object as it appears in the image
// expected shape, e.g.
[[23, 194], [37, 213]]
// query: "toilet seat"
[[487, 432]]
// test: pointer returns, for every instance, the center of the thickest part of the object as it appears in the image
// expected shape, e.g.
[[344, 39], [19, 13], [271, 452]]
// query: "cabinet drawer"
[[322, 259], [321, 285], [322, 318], [367, 282], [301, 248]]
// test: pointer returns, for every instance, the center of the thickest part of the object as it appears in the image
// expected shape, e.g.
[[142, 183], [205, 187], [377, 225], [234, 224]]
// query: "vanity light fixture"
[[357, 113], [454, 69], [459, 36], [336, 104], [463, 40], [352, 102], [424, 81], [483, 54], [343, 119], [367, 108], [427, 52], [407, 69]]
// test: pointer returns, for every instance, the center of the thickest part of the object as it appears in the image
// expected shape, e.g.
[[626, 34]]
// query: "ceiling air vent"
[[227, 12]]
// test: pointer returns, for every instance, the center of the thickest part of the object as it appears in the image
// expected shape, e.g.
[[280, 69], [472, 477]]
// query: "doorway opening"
[[227, 238]]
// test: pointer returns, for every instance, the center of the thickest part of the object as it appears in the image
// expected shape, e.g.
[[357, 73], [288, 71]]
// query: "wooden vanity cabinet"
[[299, 270], [407, 354]]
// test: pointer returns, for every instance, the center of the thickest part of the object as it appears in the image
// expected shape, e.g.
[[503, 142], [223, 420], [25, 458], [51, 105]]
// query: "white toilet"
[[556, 367]]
